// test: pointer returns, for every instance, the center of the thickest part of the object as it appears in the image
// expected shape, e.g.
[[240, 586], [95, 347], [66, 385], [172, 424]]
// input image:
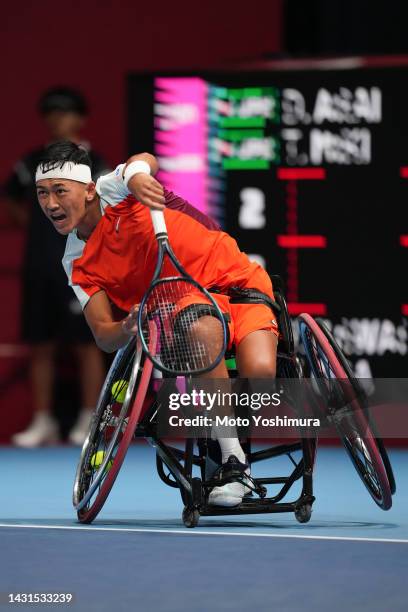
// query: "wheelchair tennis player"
[[111, 253]]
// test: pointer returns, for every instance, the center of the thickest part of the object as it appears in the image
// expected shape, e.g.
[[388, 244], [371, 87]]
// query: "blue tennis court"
[[138, 555]]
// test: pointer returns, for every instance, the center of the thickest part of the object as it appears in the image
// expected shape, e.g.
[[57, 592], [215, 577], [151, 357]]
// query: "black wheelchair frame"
[[194, 490], [175, 466]]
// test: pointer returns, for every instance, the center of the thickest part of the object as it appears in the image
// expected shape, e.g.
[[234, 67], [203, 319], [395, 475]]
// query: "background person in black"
[[50, 312]]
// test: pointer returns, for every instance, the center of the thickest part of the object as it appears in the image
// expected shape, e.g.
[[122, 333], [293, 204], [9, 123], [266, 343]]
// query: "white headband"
[[70, 171]]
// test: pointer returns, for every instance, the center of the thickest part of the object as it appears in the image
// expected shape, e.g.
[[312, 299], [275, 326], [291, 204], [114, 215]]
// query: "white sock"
[[227, 435]]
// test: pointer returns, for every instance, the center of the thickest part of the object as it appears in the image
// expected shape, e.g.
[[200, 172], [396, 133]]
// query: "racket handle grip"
[[158, 221]]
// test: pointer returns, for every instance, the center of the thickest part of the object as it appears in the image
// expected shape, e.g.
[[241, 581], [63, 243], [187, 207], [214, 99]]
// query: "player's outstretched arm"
[[138, 175], [109, 335]]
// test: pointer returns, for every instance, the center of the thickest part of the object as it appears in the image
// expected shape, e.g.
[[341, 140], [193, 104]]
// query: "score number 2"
[[252, 214]]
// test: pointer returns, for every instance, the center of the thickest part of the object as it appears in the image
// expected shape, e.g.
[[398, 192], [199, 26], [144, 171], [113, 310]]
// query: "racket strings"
[[177, 306]]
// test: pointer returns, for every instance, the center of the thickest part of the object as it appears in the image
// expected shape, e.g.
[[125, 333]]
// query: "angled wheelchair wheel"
[[346, 410], [360, 393], [112, 429]]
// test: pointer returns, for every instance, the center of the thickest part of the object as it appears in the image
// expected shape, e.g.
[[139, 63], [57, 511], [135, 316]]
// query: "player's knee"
[[261, 367], [206, 328]]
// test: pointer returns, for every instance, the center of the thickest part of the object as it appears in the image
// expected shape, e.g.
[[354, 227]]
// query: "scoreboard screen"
[[308, 170]]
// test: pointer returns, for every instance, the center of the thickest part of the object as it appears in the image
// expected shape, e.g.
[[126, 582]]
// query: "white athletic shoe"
[[229, 495], [42, 430], [232, 493], [78, 433]]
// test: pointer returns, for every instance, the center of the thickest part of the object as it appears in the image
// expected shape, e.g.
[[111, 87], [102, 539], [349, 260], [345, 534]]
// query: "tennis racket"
[[191, 329]]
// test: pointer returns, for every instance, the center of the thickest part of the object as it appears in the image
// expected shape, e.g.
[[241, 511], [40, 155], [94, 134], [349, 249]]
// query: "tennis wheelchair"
[[129, 404]]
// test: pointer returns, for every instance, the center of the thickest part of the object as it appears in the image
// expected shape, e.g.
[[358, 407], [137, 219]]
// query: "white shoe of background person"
[[232, 493], [43, 430], [79, 432]]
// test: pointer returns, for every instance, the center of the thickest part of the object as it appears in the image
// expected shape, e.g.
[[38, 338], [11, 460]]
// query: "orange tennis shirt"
[[121, 254]]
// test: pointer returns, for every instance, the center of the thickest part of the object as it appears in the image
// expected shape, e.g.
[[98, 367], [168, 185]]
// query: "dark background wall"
[[92, 45], [347, 27]]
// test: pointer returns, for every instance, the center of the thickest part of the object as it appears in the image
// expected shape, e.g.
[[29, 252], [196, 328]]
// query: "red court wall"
[[92, 45]]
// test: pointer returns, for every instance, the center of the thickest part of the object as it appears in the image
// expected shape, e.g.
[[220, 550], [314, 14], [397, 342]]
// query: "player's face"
[[63, 202]]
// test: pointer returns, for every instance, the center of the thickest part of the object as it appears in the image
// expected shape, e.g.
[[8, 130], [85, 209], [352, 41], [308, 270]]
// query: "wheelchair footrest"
[[248, 506]]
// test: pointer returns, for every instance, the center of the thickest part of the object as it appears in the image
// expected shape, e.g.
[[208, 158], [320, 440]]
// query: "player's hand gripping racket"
[[192, 333]]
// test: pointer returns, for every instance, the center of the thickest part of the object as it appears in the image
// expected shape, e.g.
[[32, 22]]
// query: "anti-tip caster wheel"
[[303, 513], [262, 492], [190, 517]]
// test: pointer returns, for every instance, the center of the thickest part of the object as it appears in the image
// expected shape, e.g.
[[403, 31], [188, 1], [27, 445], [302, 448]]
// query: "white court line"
[[197, 532]]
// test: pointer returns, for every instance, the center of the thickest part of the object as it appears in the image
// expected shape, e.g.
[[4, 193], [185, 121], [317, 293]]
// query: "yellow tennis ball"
[[118, 390], [97, 460]]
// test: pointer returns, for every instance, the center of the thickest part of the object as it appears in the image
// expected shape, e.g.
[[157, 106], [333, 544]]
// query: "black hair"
[[58, 153], [62, 99]]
